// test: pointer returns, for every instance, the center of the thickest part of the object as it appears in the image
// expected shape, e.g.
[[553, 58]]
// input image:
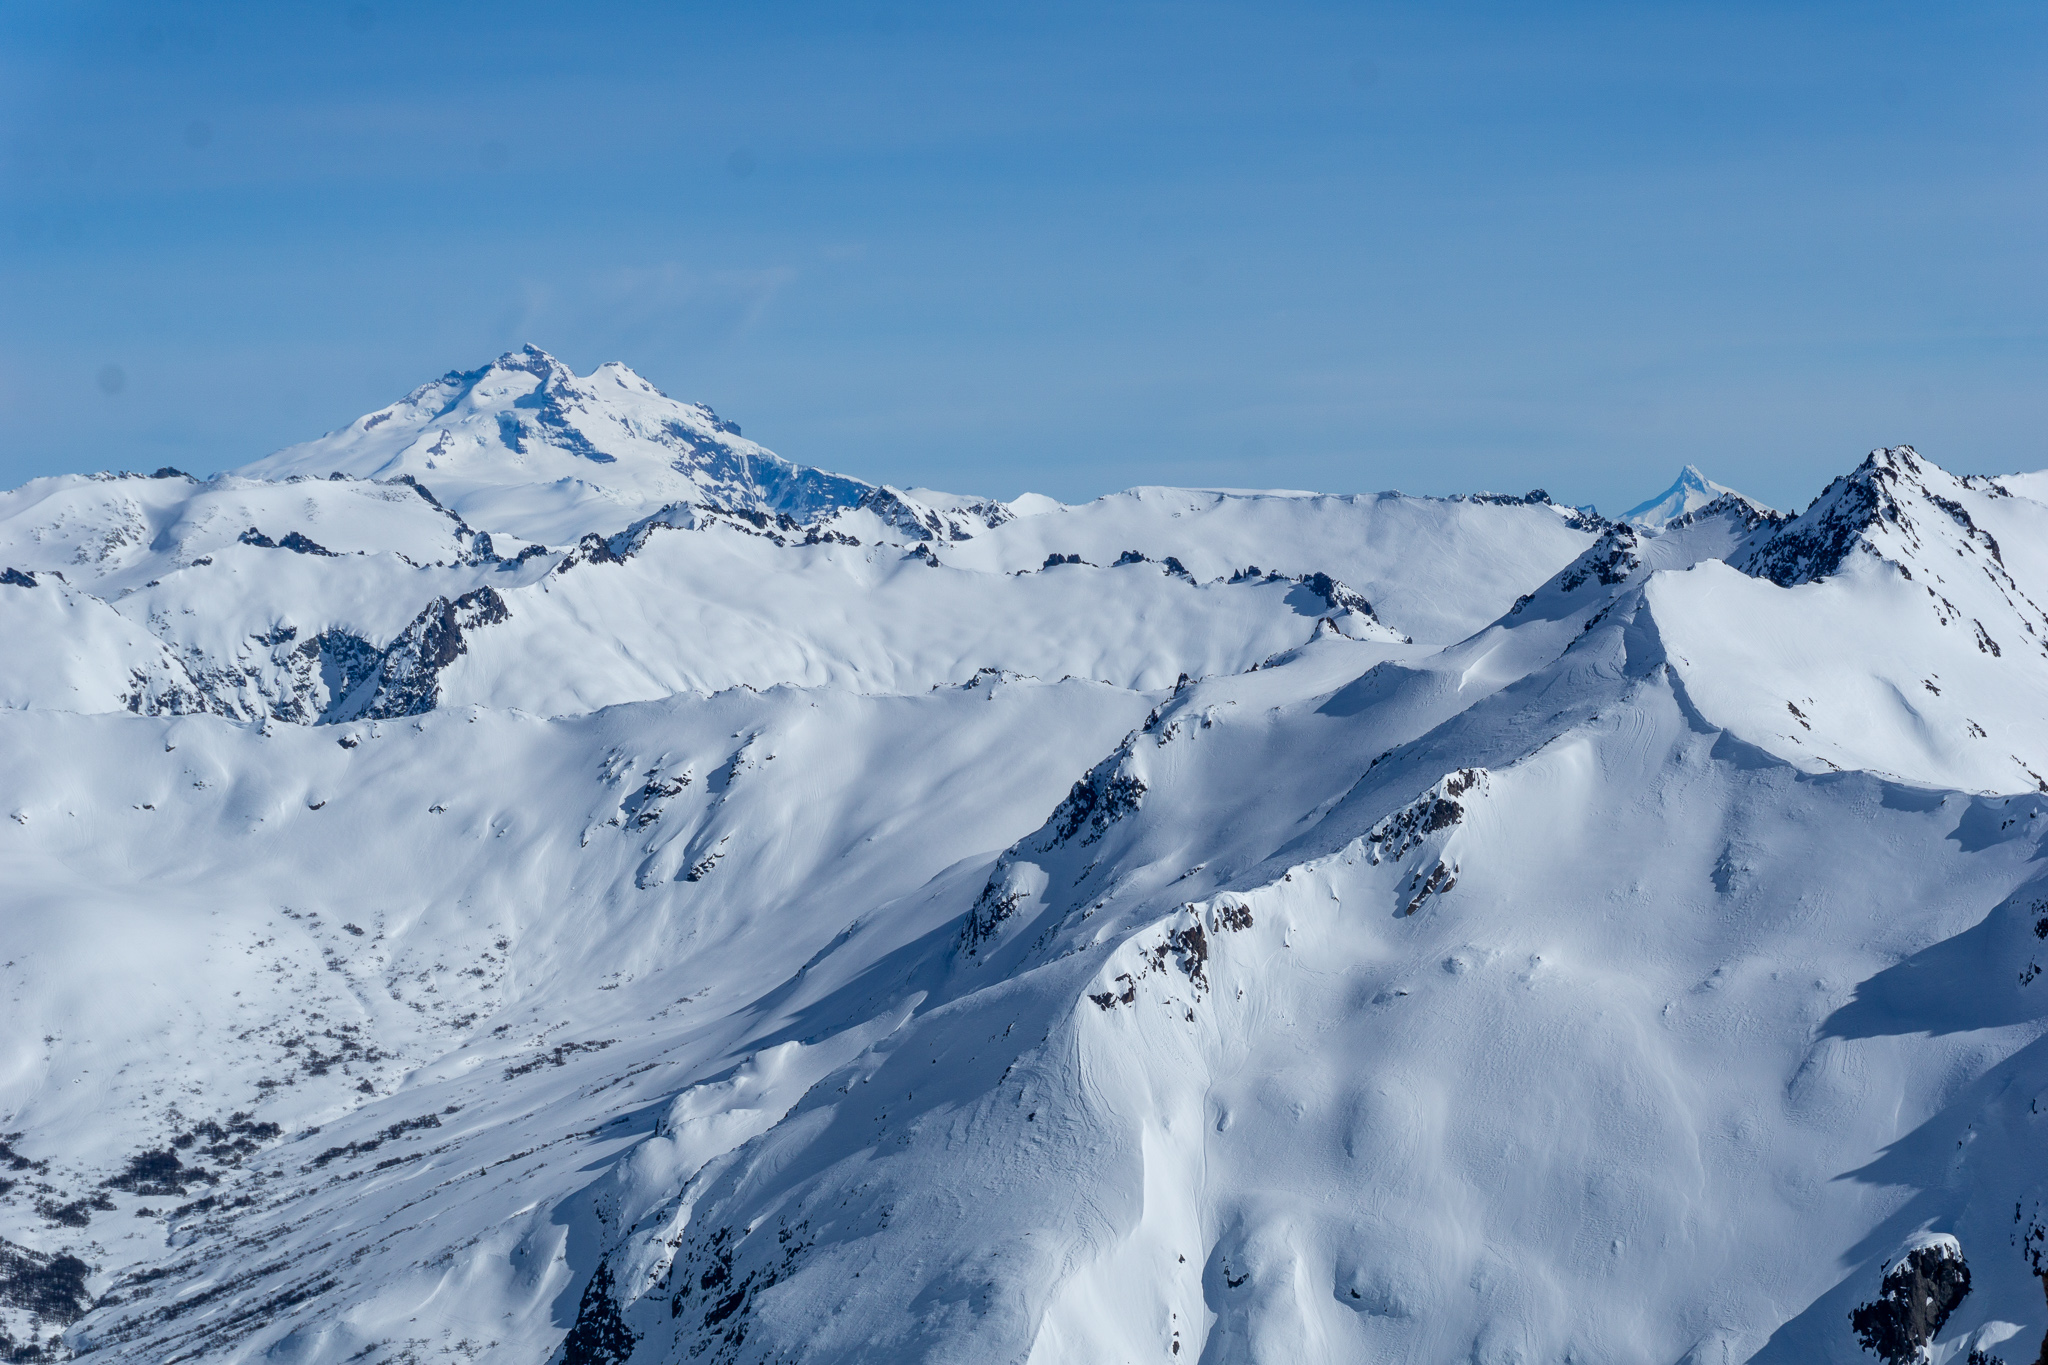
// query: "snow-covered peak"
[[1895, 506], [523, 445], [1689, 492]]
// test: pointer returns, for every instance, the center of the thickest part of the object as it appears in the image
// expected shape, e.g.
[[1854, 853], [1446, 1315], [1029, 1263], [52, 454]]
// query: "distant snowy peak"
[[525, 445], [1691, 492]]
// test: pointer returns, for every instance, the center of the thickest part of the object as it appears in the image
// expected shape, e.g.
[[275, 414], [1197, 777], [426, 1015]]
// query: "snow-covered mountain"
[[524, 446], [443, 923], [1690, 492]]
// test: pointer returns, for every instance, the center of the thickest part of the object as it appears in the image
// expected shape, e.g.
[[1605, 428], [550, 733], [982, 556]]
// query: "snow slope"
[[1883, 630], [894, 929]]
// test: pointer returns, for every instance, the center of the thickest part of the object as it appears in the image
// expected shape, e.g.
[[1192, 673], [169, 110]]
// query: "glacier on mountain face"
[[501, 913]]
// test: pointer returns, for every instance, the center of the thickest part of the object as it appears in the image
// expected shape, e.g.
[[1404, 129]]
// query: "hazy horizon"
[[1063, 251]]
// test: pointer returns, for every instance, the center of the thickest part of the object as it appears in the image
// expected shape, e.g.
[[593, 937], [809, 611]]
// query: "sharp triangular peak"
[[1689, 492]]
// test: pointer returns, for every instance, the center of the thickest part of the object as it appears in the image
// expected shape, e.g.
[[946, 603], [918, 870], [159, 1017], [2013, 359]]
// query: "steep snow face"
[[1855, 672], [525, 446], [1437, 930], [1898, 640], [1689, 492]]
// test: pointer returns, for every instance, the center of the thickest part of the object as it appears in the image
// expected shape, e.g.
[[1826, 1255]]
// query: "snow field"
[[1613, 942]]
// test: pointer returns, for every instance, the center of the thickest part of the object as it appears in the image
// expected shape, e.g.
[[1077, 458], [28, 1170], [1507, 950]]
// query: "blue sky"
[[1062, 248]]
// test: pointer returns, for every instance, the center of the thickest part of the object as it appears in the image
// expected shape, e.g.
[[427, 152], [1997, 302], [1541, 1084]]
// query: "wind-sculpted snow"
[[457, 915]]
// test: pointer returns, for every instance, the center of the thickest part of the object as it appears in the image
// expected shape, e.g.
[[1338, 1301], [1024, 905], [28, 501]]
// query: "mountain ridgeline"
[[534, 876]]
